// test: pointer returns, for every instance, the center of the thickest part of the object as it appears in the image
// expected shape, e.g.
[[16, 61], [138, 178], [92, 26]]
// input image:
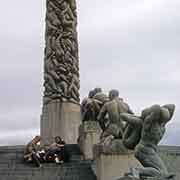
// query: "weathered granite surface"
[[114, 147], [106, 159], [12, 166], [89, 135], [61, 62], [113, 160], [127, 178], [60, 119], [152, 178], [171, 156], [61, 110], [151, 129]]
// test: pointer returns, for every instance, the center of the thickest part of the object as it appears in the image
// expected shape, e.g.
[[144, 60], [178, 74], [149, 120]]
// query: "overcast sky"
[[130, 45]]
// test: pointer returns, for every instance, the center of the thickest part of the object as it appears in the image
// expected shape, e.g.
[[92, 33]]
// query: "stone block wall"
[[171, 157]]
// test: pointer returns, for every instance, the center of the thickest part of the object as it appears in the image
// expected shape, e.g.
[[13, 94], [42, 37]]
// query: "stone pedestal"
[[113, 161], [60, 119], [89, 135]]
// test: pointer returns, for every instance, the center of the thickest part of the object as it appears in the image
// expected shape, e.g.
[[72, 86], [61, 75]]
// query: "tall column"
[[61, 111]]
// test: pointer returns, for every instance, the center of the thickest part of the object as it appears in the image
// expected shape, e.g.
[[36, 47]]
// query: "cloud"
[[18, 137], [134, 47]]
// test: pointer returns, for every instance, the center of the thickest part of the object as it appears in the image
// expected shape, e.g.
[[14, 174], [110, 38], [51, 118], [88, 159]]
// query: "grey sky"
[[131, 45]]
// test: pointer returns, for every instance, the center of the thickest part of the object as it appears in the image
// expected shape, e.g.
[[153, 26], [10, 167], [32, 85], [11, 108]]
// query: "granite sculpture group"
[[61, 112], [61, 65], [139, 133]]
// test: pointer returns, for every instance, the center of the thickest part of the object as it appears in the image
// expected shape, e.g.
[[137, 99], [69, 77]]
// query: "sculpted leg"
[[148, 172], [153, 165]]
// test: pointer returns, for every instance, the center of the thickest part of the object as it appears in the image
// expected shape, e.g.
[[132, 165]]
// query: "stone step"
[[45, 165], [65, 175], [10, 154], [72, 148], [12, 166], [47, 178], [64, 171]]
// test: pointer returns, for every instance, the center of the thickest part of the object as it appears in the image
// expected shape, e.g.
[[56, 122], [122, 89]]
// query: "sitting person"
[[32, 154], [56, 151]]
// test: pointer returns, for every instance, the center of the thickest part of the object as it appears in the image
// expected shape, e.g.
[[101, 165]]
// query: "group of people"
[[140, 133], [37, 154]]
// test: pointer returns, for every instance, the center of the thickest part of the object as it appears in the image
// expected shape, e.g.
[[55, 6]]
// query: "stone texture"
[[171, 156], [60, 119], [151, 129], [127, 178], [131, 178], [113, 162], [61, 111], [12, 167], [112, 147], [109, 165], [61, 62], [89, 135]]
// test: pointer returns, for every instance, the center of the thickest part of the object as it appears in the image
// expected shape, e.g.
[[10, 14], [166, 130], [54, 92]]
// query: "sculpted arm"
[[167, 112], [131, 119], [129, 109], [102, 113], [157, 113]]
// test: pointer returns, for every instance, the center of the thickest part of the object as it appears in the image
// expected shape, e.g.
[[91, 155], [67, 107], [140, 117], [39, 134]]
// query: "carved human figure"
[[90, 106], [85, 112], [99, 97], [52, 19], [61, 67], [73, 90], [152, 122], [132, 133], [111, 111], [51, 75], [58, 46]]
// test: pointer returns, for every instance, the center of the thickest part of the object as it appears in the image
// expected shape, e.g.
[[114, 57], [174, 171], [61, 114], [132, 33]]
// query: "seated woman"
[[31, 153], [56, 151]]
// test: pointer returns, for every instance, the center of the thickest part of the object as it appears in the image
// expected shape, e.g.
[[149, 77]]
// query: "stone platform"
[[89, 135], [12, 167], [113, 163], [113, 160]]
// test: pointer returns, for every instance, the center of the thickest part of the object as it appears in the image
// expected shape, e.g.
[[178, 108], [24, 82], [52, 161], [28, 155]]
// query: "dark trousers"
[[59, 152], [36, 160]]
